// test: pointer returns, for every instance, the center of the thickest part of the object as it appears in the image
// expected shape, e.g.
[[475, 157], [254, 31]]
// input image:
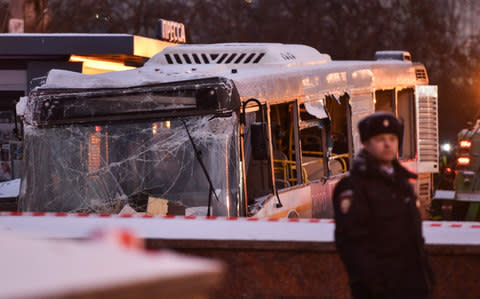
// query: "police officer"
[[378, 230]]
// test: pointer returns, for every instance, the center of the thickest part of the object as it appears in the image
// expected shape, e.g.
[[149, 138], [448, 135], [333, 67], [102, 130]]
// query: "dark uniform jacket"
[[378, 232]]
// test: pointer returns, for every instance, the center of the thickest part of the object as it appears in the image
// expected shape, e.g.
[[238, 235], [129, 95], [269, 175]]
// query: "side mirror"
[[259, 141]]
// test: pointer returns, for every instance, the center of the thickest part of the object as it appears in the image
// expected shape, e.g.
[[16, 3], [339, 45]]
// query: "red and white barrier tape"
[[63, 214], [439, 224], [446, 224], [80, 225]]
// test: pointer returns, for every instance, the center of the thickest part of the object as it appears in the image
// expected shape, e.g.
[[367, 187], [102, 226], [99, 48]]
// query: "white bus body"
[[292, 115]]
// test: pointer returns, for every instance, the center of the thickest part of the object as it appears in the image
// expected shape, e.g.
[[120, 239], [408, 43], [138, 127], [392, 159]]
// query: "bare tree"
[[348, 29], [36, 15], [4, 15]]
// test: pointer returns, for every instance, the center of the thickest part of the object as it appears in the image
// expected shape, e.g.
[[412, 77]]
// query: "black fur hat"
[[380, 123]]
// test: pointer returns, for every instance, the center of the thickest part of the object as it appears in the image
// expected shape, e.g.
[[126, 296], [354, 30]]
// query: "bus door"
[[285, 145], [288, 172], [256, 155], [326, 143], [285, 195], [310, 143]]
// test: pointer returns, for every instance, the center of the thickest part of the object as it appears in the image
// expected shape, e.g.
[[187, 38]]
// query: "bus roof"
[[262, 71]]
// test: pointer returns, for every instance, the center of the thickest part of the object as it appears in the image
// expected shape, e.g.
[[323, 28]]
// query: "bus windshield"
[[100, 166]]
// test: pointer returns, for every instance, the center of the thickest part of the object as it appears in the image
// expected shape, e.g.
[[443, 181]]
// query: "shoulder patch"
[[345, 199]]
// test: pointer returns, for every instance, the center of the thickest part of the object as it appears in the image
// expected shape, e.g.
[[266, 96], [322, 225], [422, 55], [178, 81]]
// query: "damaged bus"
[[262, 130]]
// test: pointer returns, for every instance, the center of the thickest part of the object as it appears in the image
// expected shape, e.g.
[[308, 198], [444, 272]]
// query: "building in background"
[[26, 56]]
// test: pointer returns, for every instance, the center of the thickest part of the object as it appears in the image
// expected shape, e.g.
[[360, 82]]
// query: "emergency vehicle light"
[[463, 161], [465, 144]]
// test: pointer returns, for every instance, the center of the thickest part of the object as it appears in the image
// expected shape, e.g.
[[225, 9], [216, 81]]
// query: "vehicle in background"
[[463, 203], [261, 130]]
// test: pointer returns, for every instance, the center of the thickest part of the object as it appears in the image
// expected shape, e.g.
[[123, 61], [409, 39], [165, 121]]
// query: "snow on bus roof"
[[296, 70], [240, 55], [218, 59]]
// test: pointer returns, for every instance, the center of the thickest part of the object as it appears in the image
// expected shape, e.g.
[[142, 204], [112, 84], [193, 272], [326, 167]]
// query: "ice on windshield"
[[100, 168]]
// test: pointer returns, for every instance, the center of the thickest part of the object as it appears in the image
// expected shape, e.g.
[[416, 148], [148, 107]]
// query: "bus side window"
[[385, 100], [402, 105], [312, 134], [406, 112], [338, 142]]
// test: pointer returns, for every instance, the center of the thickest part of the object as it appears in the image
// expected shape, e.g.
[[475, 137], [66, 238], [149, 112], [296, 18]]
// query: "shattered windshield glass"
[[99, 168]]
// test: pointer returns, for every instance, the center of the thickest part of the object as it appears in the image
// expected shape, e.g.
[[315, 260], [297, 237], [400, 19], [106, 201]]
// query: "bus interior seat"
[[313, 166]]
